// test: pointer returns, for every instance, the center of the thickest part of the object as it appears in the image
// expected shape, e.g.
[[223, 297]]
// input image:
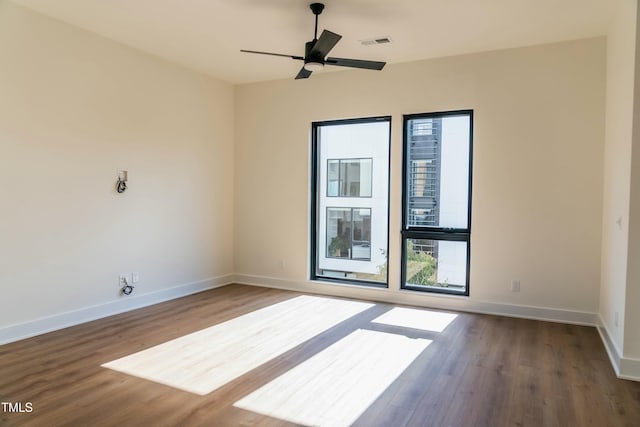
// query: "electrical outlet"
[[515, 286], [282, 264], [122, 280], [135, 277]]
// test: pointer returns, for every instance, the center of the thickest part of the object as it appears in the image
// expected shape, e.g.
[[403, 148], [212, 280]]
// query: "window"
[[349, 178], [437, 202], [349, 233], [350, 201]]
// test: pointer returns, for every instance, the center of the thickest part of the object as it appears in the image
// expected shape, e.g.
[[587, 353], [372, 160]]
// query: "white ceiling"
[[207, 35]]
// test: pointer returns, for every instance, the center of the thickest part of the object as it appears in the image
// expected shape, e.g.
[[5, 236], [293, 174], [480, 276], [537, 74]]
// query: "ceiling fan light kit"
[[316, 50], [313, 66]]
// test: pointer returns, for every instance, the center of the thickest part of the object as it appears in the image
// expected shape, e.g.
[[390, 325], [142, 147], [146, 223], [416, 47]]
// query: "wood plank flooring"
[[479, 370]]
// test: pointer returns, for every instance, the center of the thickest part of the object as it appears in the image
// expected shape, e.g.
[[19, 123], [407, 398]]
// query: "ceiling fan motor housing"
[[310, 56]]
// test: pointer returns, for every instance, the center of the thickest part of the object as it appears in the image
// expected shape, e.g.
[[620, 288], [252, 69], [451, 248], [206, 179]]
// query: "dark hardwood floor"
[[481, 370]]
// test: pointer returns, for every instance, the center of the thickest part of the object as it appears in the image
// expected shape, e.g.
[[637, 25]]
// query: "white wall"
[[617, 169], [632, 314], [537, 190], [75, 108]]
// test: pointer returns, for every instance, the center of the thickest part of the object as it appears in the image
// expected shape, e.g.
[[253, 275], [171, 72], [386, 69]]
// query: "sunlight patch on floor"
[[426, 320], [207, 359], [334, 387]]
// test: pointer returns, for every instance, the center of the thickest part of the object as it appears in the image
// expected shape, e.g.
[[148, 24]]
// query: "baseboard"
[[624, 367], [63, 320], [610, 346], [629, 369], [443, 302]]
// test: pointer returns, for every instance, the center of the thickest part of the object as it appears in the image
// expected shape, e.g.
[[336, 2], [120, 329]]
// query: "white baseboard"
[[629, 369], [439, 301], [624, 367], [63, 320], [609, 346]]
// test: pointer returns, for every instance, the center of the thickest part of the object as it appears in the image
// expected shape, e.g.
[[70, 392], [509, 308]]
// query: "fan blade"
[[355, 63], [273, 54], [303, 74], [325, 43]]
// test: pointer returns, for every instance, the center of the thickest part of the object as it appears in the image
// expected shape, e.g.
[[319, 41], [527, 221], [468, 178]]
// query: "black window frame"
[[409, 232], [315, 194]]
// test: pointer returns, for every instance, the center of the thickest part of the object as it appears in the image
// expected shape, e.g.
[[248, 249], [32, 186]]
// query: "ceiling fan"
[[316, 50]]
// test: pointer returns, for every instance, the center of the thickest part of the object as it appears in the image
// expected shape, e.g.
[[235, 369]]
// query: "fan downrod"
[[317, 9]]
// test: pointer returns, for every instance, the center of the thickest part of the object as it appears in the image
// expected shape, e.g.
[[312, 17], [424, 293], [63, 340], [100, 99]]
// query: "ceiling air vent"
[[375, 40]]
